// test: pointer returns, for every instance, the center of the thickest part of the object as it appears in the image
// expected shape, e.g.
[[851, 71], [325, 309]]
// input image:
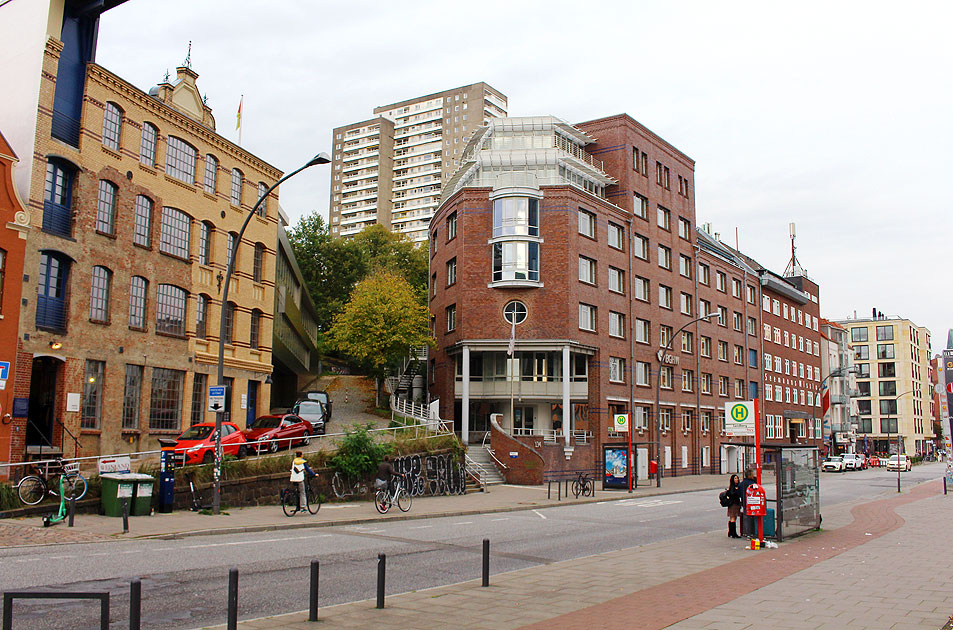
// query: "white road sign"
[[739, 418]]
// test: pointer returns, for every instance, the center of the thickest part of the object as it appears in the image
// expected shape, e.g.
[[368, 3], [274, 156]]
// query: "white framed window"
[[664, 257], [777, 336], [767, 362], [641, 373], [616, 280], [616, 324], [112, 126], [587, 223], [706, 383], [685, 266], [665, 296], [616, 369], [451, 317], [642, 330], [765, 303], [664, 218], [587, 317], [768, 393], [685, 303], [639, 205], [587, 270], [641, 288], [616, 236], [640, 246]]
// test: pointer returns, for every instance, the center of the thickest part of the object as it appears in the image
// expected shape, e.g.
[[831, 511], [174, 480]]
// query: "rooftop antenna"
[[188, 57], [794, 268]]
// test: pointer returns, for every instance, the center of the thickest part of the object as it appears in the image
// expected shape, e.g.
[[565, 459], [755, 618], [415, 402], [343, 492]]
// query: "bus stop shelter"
[[790, 475]]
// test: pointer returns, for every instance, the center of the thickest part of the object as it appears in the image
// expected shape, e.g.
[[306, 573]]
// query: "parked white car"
[[899, 462], [851, 461], [835, 463]]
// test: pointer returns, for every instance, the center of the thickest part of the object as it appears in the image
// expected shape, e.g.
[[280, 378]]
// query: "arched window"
[[170, 310], [205, 242], [112, 126], [238, 179], [259, 262], [253, 339], [229, 322], [106, 208], [211, 173], [100, 285], [201, 316], [174, 235], [142, 234], [230, 249], [51, 306], [263, 208], [58, 198], [138, 289], [147, 146], [180, 159]]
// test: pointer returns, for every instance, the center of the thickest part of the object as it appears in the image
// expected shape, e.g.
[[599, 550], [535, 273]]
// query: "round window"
[[514, 312]]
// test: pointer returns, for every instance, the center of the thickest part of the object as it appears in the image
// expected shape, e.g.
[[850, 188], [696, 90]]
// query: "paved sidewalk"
[[875, 565], [91, 527]]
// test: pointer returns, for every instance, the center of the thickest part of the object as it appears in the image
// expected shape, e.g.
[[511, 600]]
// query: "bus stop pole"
[[757, 460]]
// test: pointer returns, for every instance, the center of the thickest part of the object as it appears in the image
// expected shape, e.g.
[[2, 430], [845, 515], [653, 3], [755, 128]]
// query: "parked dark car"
[[324, 398], [196, 445], [314, 412], [269, 433]]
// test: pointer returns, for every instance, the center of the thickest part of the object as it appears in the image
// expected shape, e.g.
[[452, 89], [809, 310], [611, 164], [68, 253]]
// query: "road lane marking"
[[422, 527], [464, 523], [505, 518], [539, 515]]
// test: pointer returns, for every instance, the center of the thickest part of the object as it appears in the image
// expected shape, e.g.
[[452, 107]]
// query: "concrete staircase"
[[488, 470]]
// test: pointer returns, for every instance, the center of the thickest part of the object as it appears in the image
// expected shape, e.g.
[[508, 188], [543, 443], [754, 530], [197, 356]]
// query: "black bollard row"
[[313, 608], [381, 569], [125, 515], [486, 562], [135, 604], [232, 599], [72, 511]]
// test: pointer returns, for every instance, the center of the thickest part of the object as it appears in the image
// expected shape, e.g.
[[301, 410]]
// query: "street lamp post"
[[320, 158], [898, 436], [662, 354]]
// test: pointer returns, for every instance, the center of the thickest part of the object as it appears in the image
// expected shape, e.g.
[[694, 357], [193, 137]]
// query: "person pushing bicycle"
[[299, 467]]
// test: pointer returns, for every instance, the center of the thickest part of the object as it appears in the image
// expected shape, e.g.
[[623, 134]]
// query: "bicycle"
[[583, 485], [35, 487], [347, 487], [383, 500], [290, 496]]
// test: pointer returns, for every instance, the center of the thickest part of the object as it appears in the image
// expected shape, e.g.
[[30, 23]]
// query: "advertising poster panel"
[[616, 467]]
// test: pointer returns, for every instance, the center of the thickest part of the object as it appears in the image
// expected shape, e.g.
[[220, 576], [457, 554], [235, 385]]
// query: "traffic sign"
[[620, 422], [739, 418], [216, 398], [4, 370]]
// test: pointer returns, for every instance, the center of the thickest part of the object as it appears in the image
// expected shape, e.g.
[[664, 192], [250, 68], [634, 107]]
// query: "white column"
[[465, 411], [567, 410]]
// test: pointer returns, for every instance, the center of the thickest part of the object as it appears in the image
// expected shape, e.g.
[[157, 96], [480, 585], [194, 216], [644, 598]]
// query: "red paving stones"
[[663, 605]]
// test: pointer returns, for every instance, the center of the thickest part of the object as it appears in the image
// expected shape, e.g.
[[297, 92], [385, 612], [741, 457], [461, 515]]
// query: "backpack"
[[723, 498]]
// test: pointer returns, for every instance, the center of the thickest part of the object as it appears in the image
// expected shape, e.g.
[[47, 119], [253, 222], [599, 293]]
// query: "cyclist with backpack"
[[298, 469], [731, 498]]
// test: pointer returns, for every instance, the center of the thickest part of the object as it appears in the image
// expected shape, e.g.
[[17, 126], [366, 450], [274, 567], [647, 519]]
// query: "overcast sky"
[[833, 115]]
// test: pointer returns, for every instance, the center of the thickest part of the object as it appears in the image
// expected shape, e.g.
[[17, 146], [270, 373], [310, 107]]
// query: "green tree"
[[378, 248], [381, 323], [331, 267]]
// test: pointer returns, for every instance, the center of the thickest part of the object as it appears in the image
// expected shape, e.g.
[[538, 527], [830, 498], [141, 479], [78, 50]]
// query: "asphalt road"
[[184, 581]]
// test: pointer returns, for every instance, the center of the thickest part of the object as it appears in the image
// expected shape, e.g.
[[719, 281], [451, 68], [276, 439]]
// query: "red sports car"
[[269, 433], [196, 445]]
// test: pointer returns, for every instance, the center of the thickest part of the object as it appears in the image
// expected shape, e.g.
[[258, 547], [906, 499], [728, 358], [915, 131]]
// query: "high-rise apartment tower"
[[390, 169]]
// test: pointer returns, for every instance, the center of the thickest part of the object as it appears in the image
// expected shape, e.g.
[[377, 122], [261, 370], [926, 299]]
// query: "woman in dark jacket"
[[734, 506]]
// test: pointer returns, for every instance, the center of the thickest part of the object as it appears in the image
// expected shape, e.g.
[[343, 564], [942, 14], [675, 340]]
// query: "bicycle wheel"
[[289, 501], [576, 489], [589, 488], [74, 487], [404, 500], [31, 489], [337, 485], [314, 499], [382, 501]]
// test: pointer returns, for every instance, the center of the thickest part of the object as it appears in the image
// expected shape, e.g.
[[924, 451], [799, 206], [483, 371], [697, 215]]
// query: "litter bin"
[[142, 498], [769, 525], [134, 487]]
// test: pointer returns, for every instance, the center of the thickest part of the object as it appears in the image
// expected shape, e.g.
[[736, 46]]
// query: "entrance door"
[[43, 381], [252, 402]]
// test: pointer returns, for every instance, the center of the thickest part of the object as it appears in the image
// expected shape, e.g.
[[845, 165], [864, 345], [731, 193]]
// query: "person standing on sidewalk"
[[747, 522], [299, 467], [734, 506]]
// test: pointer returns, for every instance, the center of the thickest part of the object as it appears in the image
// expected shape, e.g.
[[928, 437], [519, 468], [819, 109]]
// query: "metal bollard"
[[72, 511], [944, 485], [486, 562], [232, 599], [135, 604], [125, 516], [313, 609], [381, 568]]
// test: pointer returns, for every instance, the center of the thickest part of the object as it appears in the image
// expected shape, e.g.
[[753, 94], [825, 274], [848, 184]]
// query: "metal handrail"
[[470, 464], [489, 451]]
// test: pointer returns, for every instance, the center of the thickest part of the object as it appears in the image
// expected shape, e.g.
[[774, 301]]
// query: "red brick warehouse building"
[[14, 223], [580, 242]]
